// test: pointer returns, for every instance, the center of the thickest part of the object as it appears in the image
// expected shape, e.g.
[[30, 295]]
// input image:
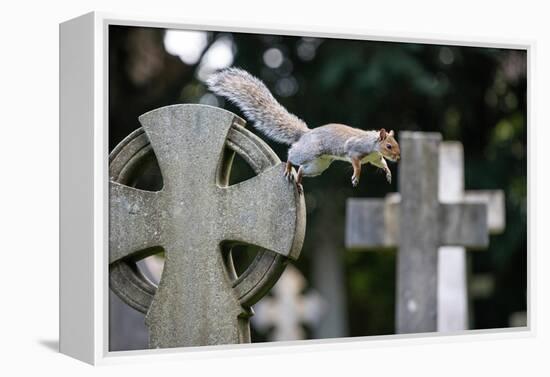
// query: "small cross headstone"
[[195, 218], [417, 223], [289, 308]]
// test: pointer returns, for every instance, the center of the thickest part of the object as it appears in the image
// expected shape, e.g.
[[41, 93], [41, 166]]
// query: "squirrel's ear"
[[383, 134], [391, 133]]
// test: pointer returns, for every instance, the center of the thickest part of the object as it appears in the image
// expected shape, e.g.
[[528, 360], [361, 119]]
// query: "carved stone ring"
[[196, 218]]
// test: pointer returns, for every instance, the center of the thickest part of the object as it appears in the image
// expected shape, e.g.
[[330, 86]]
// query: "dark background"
[[474, 95]]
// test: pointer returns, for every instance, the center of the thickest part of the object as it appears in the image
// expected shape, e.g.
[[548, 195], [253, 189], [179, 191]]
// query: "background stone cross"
[[452, 312], [417, 223], [289, 308], [194, 218]]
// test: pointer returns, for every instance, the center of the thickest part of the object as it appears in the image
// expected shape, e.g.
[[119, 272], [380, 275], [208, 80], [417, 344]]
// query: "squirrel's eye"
[[388, 146]]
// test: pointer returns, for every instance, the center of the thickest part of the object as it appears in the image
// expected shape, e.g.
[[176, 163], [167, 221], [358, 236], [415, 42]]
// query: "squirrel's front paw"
[[388, 176], [354, 180]]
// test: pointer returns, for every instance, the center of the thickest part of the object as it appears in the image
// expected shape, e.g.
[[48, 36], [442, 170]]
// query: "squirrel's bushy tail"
[[258, 105]]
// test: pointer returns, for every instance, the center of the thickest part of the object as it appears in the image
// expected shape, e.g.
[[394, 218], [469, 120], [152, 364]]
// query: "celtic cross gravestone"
[[195, 219], [417, 223]]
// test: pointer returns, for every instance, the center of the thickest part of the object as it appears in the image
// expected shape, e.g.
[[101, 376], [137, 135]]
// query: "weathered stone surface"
[[461, 223], [194, 218], [372, 223], [419, 233], [417, 223]]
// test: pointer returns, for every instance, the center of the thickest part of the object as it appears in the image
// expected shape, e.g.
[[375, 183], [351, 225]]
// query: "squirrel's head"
[[388, 146]]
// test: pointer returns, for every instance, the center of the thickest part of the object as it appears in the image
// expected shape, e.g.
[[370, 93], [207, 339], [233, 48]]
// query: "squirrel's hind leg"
[[288, 171]]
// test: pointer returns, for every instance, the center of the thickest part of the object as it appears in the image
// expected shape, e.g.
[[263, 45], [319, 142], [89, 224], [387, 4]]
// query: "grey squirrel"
[[312, 150]]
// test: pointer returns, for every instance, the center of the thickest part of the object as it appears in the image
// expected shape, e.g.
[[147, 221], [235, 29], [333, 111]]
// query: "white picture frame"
[[84, 193]]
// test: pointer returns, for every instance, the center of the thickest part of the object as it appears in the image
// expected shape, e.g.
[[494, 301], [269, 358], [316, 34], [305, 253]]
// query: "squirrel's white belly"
[[316, 166], [371, 157], [368, 158], [320, 164], [339, 158]]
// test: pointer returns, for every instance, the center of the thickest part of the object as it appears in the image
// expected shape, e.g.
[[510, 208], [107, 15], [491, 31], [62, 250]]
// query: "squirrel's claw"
[[388, 176], [288, 172], [354, 181], [289, 176]]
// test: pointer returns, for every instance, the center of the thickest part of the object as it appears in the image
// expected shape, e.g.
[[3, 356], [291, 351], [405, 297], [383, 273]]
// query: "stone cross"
[[195, 219], [288, 309], [417, 223], [452, 312]]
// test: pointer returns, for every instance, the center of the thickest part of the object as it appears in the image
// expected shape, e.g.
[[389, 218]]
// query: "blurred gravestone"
[[289, 308], [418, 224], [196, 219], [452, 313], [328, 275]]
